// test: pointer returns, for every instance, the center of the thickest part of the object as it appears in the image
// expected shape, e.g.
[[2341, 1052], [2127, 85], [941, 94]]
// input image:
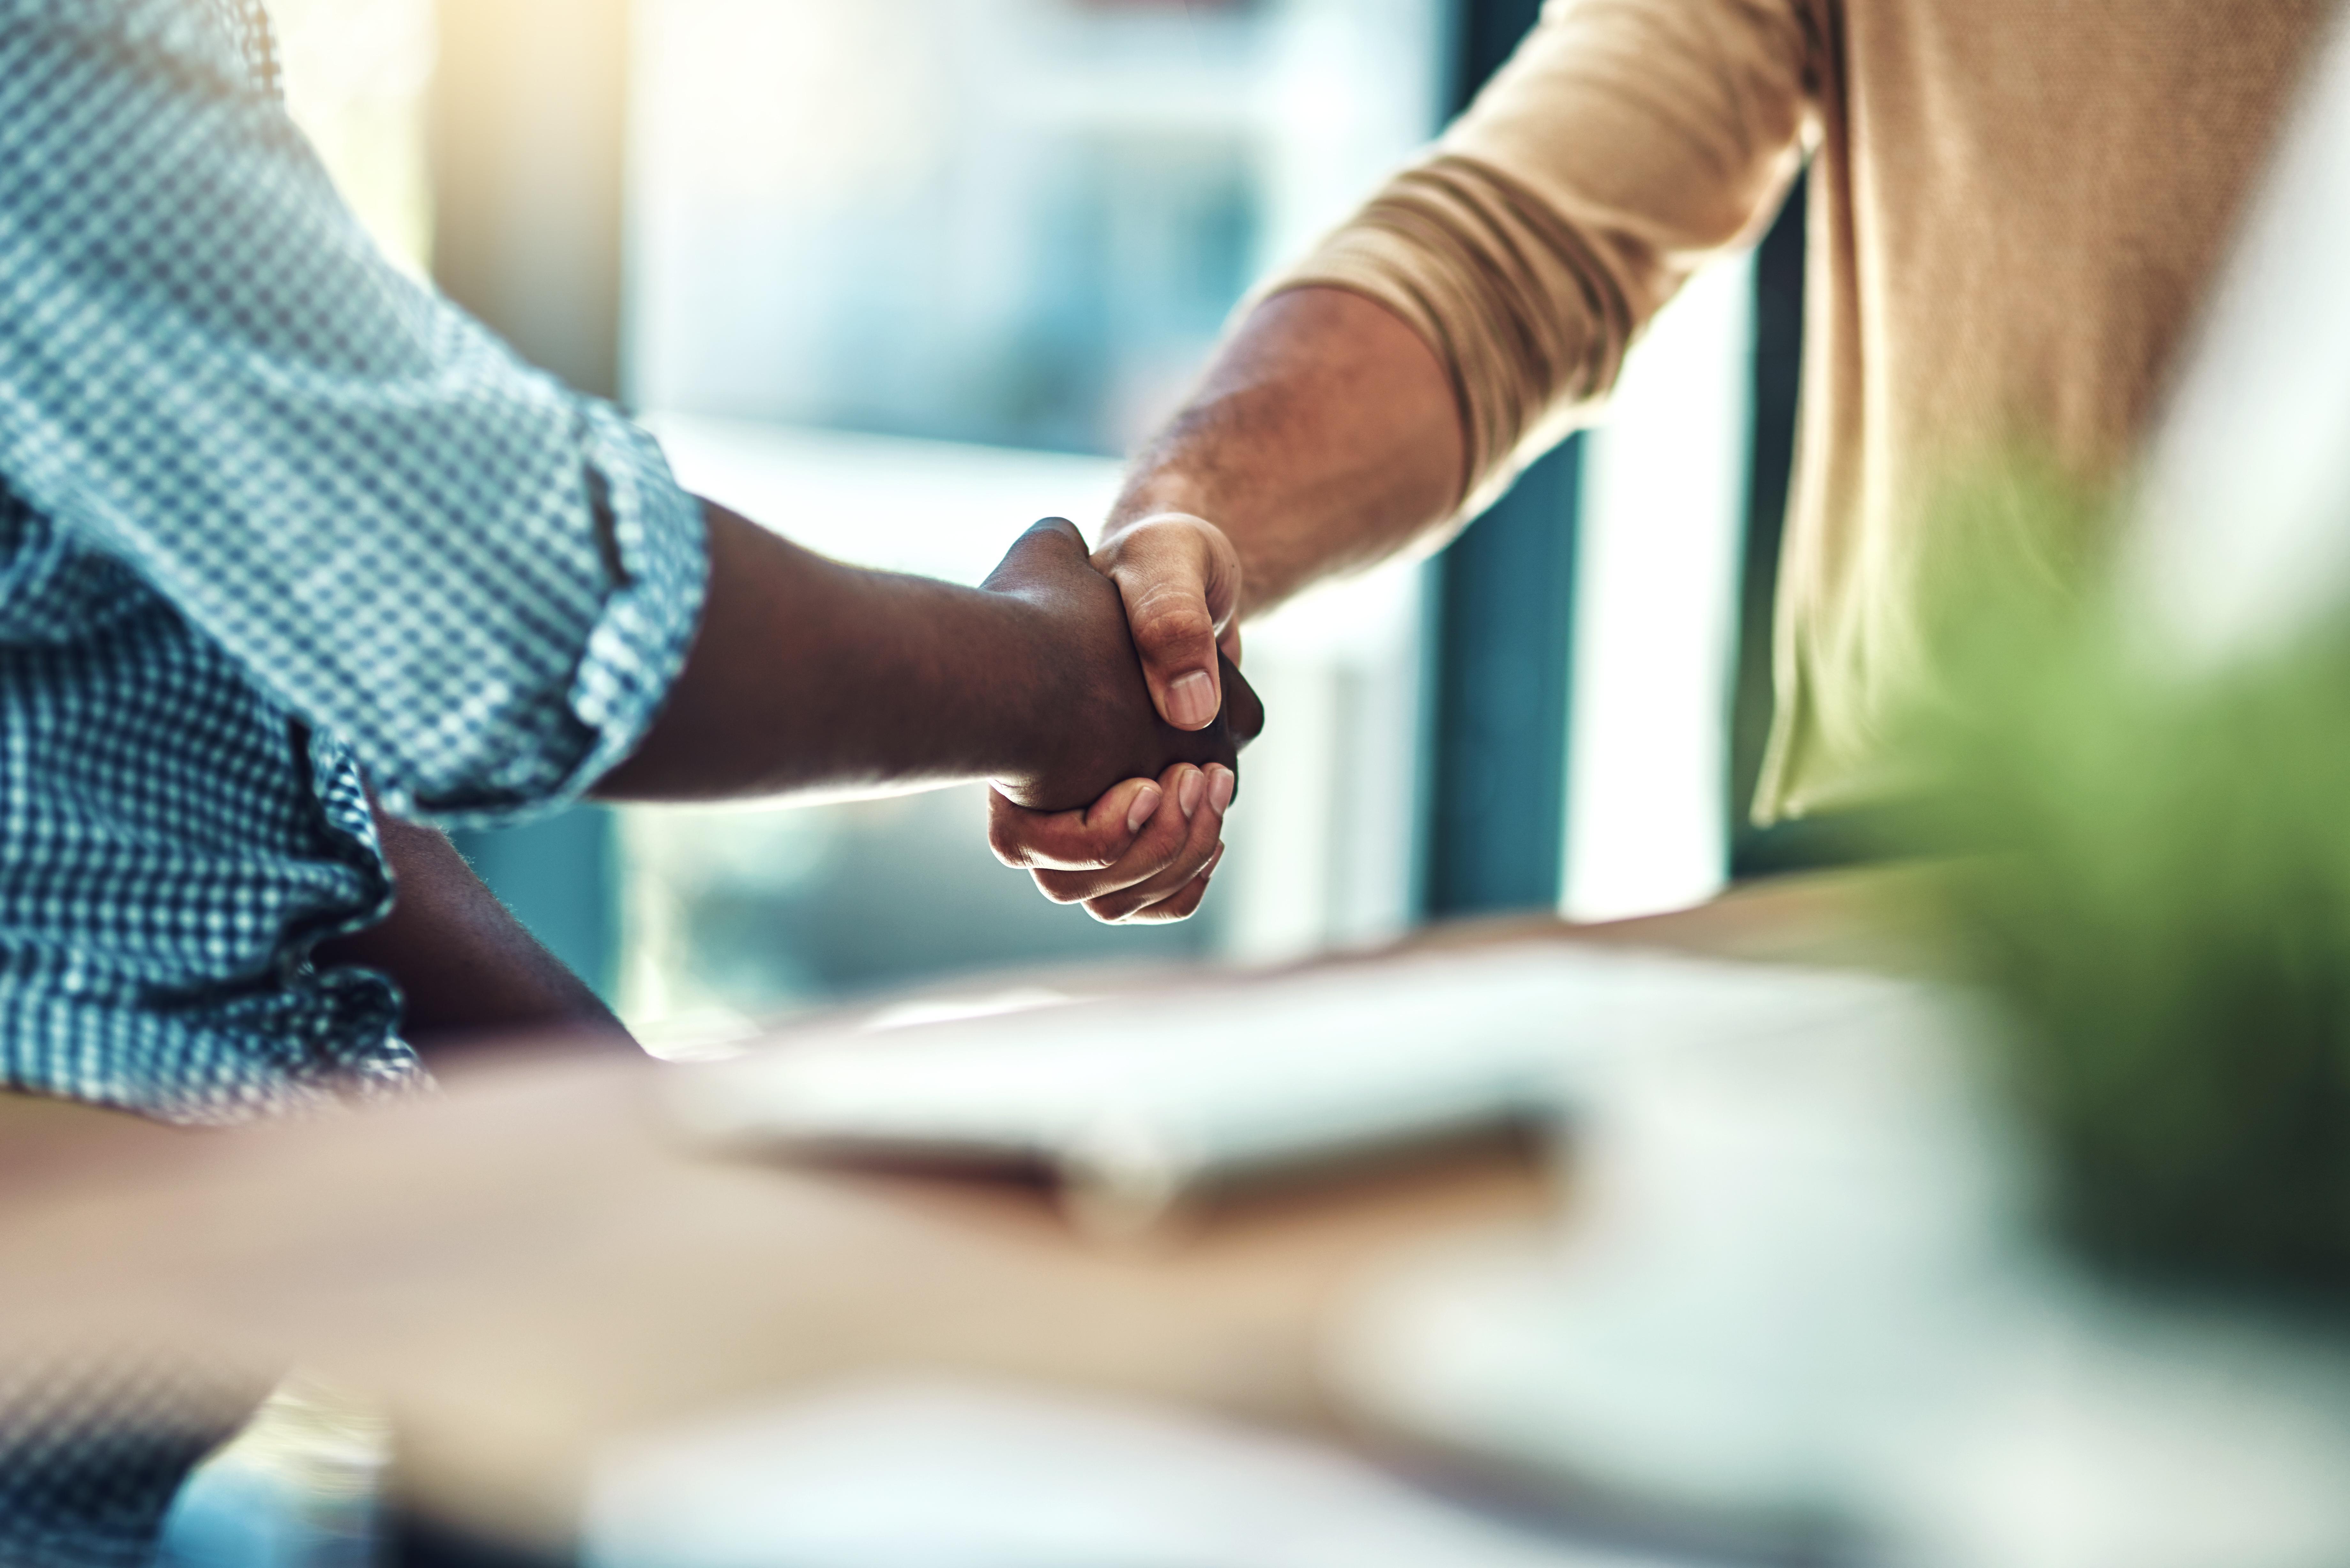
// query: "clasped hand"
[[1125, 814]]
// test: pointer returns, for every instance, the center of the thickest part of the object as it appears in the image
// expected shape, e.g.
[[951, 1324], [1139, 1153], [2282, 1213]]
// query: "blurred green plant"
[[2161, 903]]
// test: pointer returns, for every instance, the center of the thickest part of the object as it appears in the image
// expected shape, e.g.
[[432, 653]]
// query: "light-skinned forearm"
[[1326, 436]]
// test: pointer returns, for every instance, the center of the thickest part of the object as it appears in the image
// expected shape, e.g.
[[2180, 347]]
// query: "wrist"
[[1042, 693], [1161, 495], [1213, 542]]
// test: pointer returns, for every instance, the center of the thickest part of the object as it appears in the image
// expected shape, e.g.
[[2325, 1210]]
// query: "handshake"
[[1123, 808], [1096, 692]]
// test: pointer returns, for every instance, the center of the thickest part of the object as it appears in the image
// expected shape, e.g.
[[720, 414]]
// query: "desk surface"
[[531, 1267]]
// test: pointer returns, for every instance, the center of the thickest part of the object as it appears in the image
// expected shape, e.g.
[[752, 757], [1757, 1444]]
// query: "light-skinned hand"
[[1145, 851], [1108, 728]]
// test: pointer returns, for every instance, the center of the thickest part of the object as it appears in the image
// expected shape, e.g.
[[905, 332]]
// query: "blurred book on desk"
[[1138, 1102]]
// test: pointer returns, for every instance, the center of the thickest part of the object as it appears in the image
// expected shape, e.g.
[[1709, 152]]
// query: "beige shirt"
[[2015, 208]]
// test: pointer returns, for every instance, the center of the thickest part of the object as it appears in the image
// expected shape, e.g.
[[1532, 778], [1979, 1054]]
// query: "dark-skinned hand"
[[1106, 729]]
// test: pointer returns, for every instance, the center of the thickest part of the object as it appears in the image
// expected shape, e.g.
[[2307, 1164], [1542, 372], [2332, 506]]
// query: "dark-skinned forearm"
[[1326, 436], [809, 675], [467, 969]]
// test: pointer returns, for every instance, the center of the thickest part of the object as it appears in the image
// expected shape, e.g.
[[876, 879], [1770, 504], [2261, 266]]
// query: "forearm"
[[467, 969], [808, 674], [1513, 268], [41, 1135], [1326, 437]]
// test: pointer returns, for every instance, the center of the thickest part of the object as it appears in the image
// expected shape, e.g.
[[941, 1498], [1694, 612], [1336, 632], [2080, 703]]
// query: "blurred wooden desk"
[[531, 1267]]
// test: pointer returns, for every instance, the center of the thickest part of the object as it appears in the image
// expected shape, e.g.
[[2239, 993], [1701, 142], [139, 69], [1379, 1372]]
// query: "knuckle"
[[1186, 901], [1061, 888], [1168, 911], [1145, 867], [1158, 889], [1003, 837], [1169, 618], [1063, 854]]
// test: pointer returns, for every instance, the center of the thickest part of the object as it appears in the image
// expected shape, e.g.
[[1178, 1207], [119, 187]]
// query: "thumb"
[[1180, 578]]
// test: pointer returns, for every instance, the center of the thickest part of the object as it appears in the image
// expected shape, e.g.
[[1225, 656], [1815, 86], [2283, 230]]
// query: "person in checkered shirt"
[[295, 558]]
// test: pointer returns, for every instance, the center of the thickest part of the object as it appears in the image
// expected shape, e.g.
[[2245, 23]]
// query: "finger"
[[1163, 848], [1161, 844], [1184, 905], [1200, 848], [1180, 577], [1090, 839]]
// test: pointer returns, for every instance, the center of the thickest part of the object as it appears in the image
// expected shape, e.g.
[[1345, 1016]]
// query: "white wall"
[[1656, 615], [1321, 847]]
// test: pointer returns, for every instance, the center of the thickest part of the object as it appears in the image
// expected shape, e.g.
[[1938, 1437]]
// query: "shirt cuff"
[[638, 645]]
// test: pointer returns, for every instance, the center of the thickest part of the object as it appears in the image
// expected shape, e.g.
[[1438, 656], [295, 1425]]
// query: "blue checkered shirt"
[[276, 525]]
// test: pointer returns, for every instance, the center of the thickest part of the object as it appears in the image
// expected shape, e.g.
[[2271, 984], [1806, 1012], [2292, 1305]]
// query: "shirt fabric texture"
[[2015, 209], [278, 524], [93, 1455]]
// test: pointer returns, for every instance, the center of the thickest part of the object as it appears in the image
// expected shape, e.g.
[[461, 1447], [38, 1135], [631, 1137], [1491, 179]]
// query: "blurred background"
[[898, 277]]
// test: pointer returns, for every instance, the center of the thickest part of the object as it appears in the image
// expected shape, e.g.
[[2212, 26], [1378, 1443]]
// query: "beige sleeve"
[[1626, 143]]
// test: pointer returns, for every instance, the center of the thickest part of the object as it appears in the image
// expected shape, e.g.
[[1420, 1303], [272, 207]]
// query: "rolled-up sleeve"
[[1625, 144], [482, 581]]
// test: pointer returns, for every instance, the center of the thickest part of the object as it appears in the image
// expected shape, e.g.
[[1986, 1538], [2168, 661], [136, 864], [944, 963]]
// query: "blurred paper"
[[1143, 1099], [1803, 1298], [953, 1475]]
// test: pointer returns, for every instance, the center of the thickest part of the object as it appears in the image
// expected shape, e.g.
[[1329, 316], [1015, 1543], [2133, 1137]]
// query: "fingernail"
[[1191, 700], [1220, 784], [1145, 807], [1187, 793]]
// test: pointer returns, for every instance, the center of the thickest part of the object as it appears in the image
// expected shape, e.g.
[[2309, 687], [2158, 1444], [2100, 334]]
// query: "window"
[[906, 275]]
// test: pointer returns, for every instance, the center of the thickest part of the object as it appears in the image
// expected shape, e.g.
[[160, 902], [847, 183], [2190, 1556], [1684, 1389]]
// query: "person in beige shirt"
[[2015, 208]]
